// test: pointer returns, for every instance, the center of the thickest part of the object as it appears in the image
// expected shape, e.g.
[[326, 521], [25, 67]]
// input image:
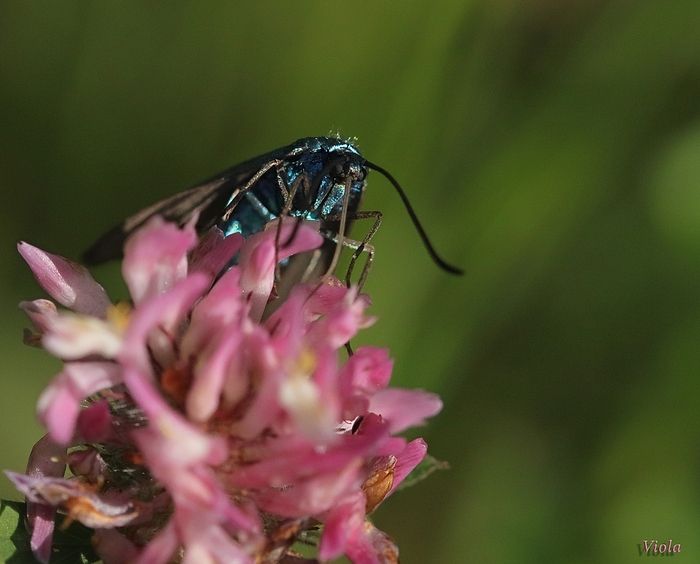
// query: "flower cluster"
[[205, 421]]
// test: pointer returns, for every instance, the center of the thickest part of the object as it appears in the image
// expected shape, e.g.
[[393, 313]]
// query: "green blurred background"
[[551, 147]]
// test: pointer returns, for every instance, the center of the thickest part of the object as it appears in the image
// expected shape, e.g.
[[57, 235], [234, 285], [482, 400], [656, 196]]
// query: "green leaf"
[[14, 540], [70, 546], [427, 466]]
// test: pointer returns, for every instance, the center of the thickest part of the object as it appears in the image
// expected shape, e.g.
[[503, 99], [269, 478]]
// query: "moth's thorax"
[[318, 171]]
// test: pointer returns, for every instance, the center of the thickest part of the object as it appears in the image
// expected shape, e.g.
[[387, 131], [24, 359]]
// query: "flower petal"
[[41, 517], [170, 440], [206, 541], [310, 497], [95, 422], [368, 370], [67, 282], [372, 546], [46, 459], [221, 310], [163, 312], [72, 336], [342, 521], [407, 460], [59, 403], [160, 548], [78, 499], [309, 394], [404, 408], [113, 547], [342, 321], [41, 312], [257, 258], [155, 257], [209, 377], [215, 252], [302, 463]]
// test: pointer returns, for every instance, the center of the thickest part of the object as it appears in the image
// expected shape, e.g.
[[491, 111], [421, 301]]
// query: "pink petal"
[[371, 546], [67, 282], [58, 410], [259, 276], [221, 509], [221, 309], [311, 399], [404, 408], [313, 496], [41, 312], [328, 296], [288, 325], [82, 503], [205, 540], [209, 377], [256, 358], [257, 258], [42, 525], [170, 440], [73, 336], [215, 252], [113, 547], [59, 403], [407, 460], [46, 459], [155, 257], [342, 321], [305, 237], [263, 411], [303, 463], [163, 312], [367, 371], [95, 422], [88, 463], [339, 524], [160, 548], [191, 483]]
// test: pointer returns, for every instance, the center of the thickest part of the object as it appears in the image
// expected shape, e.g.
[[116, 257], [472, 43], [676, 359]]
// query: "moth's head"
[[347, 167], [341, 158], [330, 167]]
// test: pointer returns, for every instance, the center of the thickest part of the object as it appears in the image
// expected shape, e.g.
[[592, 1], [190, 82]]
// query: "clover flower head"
[[201, 424]]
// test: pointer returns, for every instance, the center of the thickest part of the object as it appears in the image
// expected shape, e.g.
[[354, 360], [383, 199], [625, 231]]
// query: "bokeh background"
[[551, 147]]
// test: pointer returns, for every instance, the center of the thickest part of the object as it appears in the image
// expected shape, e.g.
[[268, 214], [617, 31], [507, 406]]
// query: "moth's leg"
[[341, 231], [365, 245], [359, 246], [288, 202], [282, 184], [240, 192], [313, 264]]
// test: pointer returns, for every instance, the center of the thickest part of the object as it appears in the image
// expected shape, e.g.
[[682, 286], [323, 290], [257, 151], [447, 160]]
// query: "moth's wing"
[[207, 199]]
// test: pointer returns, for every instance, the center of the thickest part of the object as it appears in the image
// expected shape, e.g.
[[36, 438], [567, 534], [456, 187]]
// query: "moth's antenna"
[[416, 223]]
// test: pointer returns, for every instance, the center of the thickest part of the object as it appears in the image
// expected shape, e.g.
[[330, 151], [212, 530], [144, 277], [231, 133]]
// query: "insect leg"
[[313, 264], [358, 246], [240, 192], [365, 245], [288, 201], [341, 231]]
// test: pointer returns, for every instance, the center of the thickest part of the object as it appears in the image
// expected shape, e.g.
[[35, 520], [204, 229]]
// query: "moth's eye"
[[339, 170]]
